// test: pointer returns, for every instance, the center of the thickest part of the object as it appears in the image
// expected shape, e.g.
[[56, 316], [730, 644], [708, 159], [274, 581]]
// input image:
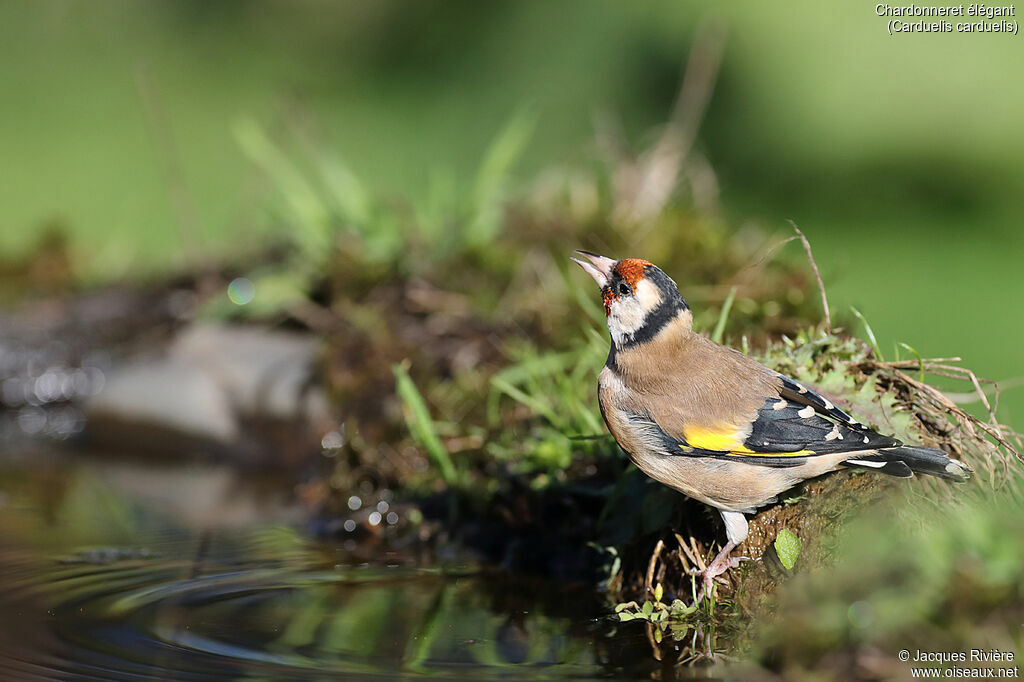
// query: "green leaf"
[[679, 609], [648, 609], [658, 592], [787, 546], [625, 615]]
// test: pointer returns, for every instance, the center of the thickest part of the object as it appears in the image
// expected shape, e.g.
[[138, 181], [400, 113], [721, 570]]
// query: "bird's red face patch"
[[609, 297], [631, 270]]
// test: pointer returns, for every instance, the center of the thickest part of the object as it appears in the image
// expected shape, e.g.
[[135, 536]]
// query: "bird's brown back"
[[681, 378]]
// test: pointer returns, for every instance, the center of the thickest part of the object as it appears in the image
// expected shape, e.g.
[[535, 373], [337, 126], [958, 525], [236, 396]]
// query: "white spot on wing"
[[806, 412], [956, 468], [865, 439], [780, 405], [834, 433], [828, 405], [866, 463]]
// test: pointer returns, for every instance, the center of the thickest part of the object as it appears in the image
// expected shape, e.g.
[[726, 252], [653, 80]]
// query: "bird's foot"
[[719, 565]]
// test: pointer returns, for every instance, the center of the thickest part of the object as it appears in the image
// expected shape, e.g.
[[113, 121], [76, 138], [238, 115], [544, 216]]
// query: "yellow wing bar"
[[728, 439]]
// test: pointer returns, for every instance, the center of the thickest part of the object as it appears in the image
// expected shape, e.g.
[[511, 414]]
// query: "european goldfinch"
[[715, 424]]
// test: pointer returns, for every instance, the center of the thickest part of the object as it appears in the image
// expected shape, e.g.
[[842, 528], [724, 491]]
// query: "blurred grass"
[[899, 156], [905, 577]]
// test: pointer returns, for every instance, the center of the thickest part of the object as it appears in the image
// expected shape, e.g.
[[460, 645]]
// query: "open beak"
[[599, 267]]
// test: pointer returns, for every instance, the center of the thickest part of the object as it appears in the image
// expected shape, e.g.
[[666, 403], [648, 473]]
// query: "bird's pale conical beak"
[[599, 267]]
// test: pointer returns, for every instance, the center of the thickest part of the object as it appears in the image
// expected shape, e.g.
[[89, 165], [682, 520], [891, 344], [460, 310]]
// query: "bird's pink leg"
[[719, 565]]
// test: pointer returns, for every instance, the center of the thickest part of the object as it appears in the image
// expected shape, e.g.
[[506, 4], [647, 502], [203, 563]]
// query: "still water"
[[114, 571]]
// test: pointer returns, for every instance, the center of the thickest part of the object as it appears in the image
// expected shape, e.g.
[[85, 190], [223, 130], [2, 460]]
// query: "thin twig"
[[995, 398], [914, 364], [935, 371], [688, 559], [951, 371], [817, 275], [698, 554], [765, 255], [651, 565], [967, 420], [655, 649], [928, 364], [984, 401], [646, 185]]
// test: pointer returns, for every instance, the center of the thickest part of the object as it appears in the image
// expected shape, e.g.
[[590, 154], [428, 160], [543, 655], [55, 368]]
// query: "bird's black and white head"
[[639, 299]]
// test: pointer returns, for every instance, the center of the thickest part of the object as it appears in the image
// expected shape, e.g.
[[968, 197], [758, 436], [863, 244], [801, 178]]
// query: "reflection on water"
[[164, 618], [100, 582]]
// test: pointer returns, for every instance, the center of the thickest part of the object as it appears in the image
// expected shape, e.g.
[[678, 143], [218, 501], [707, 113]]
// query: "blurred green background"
[[902, 158]]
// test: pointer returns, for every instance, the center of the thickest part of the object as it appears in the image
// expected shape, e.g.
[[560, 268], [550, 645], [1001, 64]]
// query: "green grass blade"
[[419, 646], [421, 426], [723, 317], [485, 218], [311, 218], [526, 399], [870, 333], [920, 361]]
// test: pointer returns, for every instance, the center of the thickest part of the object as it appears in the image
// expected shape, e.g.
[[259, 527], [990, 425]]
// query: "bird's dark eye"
[[624, 289]]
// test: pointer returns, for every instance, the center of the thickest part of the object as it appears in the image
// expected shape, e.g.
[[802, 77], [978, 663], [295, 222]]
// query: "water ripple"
[[156, 618]]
